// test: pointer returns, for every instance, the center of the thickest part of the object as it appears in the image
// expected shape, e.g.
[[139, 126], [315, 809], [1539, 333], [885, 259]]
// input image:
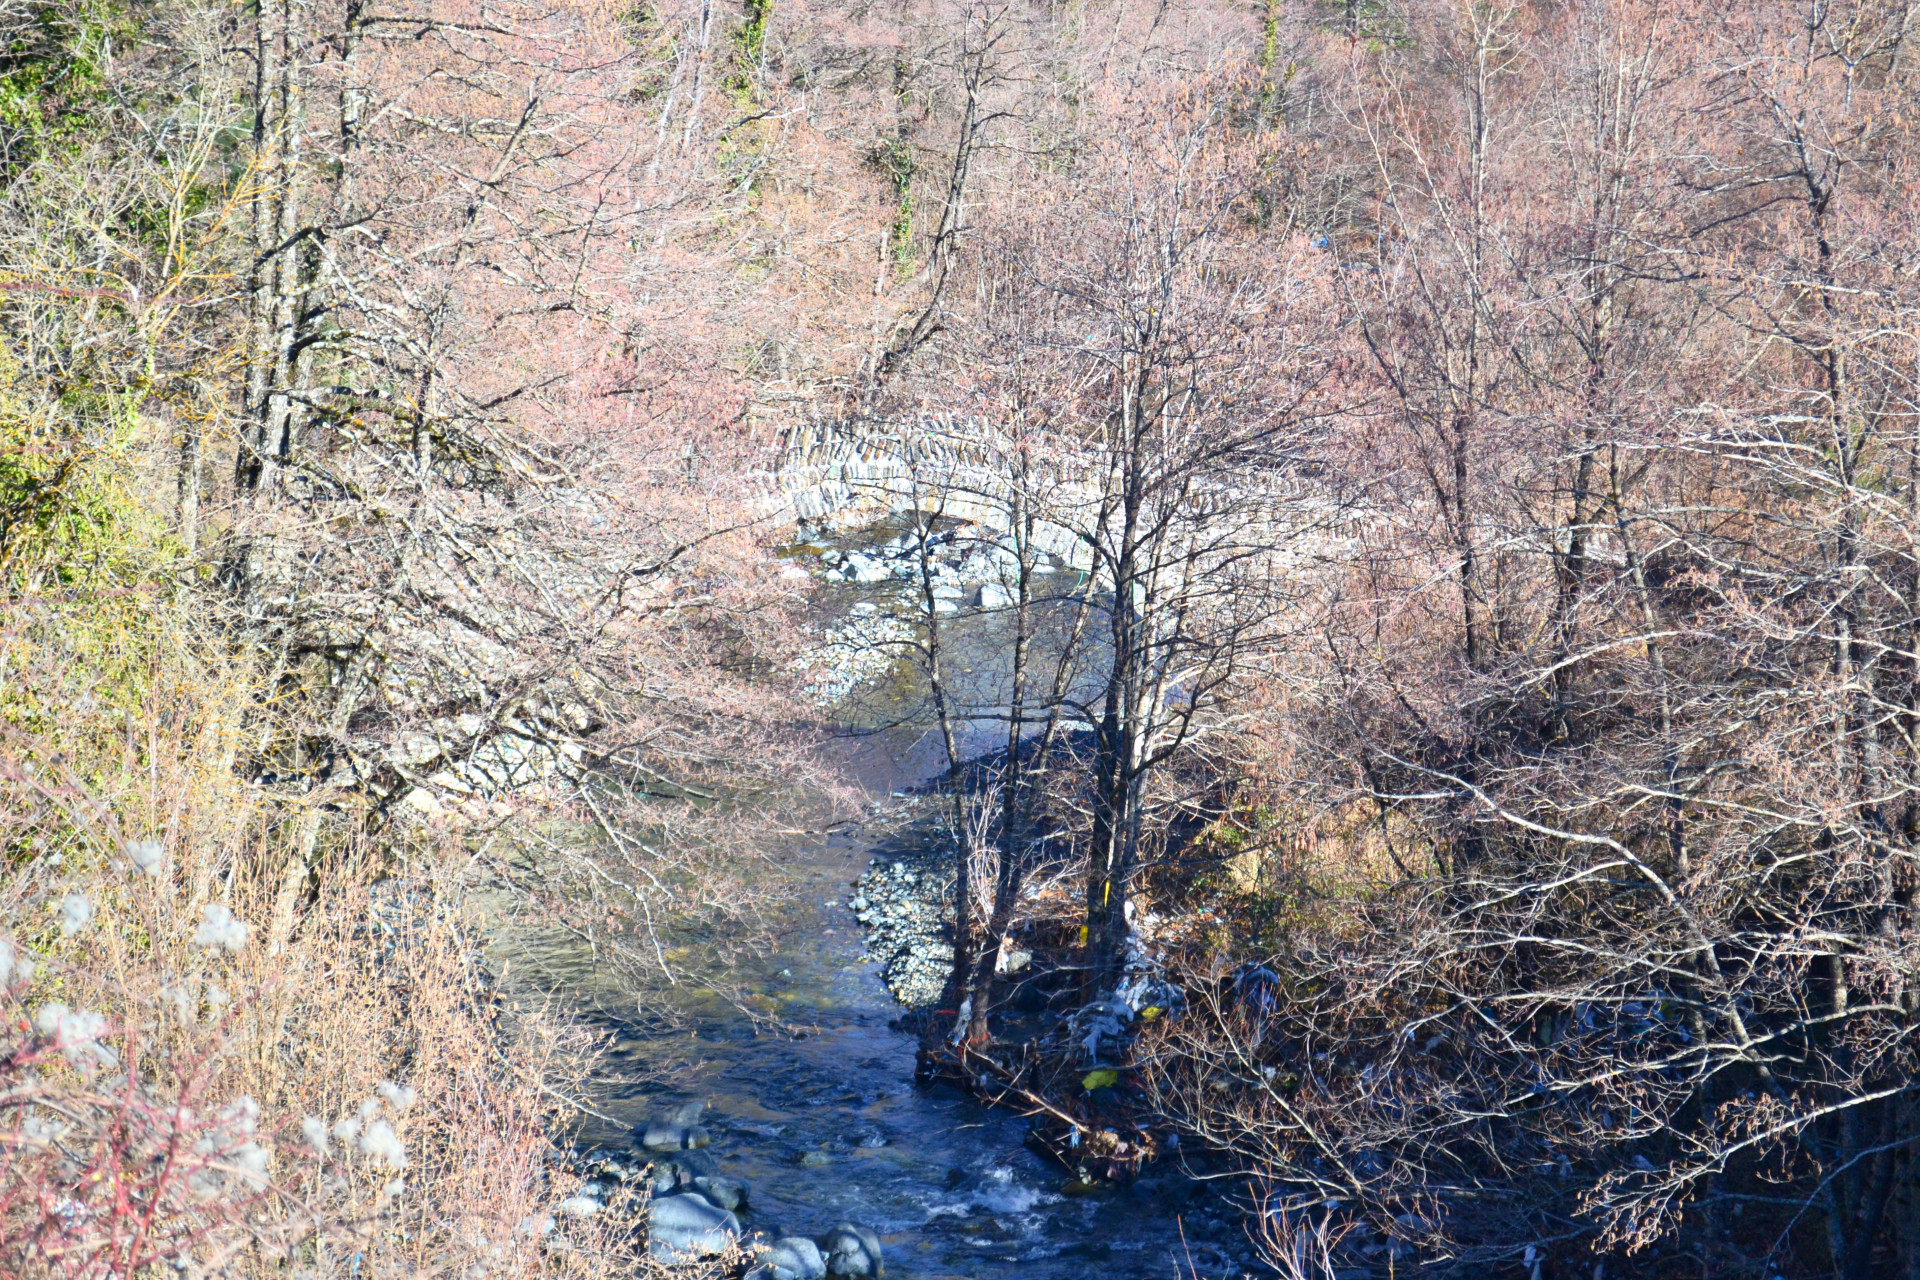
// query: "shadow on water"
[[825, 1123]]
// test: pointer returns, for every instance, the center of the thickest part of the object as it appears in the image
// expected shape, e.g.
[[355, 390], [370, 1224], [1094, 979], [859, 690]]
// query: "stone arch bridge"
[[852, 473]]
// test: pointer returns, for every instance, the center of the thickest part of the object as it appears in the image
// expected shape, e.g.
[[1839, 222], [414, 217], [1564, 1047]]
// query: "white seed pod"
[[76, 1033], [16, 966], [76, 913], [399, 1096], [241, 1116], [249, 1164], [381, 1143], [181, 996], [218, 928]]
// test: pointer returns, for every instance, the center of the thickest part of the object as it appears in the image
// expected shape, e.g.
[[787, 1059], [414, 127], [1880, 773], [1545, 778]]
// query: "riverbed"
[[810, 1089]]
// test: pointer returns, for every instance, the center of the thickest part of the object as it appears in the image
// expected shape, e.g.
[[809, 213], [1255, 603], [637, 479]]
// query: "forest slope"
[[1524, 817]]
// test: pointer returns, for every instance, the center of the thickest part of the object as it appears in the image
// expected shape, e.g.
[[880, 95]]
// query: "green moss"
[[750, 47], [753, 32], [85, 567], [54, 75], [894, 158], [69, 519]]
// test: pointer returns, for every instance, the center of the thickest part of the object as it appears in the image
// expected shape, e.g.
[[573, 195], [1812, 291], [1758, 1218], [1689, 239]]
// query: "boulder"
[[728, 1193], [994, 596], [693, 1164], [863, 570], [580, 1206], [852, 1251], [790, 1258], [681, 1169], [684, 1227], [668, 1135]]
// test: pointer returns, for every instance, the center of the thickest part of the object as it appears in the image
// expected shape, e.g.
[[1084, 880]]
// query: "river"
[[827, 1125]]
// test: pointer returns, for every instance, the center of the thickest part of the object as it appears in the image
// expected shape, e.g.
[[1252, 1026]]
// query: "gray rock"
[[790, 1258], [614, 1169], [580, 1206], [681, 1169], [684, 1227], [994, 596], [694, 1164], [852, 1251], [728, 1193], [667, 1135], [863, 570]]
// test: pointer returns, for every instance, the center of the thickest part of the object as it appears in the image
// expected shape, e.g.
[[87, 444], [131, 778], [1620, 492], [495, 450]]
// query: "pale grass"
[[118, 729]]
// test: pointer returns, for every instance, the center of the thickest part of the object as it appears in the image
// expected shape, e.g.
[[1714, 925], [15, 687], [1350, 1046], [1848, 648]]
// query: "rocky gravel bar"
[[906, 906], [693, 1209]]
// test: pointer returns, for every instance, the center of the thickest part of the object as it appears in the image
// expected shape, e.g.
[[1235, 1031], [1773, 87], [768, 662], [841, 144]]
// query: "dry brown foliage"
[[178, 1087]]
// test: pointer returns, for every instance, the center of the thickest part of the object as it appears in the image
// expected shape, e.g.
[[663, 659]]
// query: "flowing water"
[[827, 1125]]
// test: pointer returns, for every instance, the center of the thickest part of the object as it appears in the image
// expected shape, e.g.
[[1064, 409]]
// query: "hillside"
[[1354, 569]]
